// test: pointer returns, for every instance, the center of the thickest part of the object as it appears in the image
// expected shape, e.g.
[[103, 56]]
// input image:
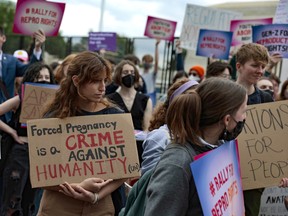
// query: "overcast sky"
[[125, 17]]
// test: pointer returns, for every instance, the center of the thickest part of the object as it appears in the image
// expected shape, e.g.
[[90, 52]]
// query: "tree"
[[54, 45]]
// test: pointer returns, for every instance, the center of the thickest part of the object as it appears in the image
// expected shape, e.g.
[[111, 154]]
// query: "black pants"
[[17, 194]]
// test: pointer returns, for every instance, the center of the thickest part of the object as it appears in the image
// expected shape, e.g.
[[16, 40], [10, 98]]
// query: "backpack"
[[136, 201]]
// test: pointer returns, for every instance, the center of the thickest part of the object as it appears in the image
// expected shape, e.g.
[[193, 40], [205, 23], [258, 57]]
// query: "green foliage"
[[7, 10]]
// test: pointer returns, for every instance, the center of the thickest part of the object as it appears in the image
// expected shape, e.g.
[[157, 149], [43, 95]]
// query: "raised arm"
[[156, 56]]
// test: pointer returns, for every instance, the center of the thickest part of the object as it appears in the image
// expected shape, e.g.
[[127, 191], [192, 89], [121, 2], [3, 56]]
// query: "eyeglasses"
[[126, 72]]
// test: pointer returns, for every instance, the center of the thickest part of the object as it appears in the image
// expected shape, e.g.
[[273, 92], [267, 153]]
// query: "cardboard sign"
[[198, 17], [76, 148], [214, 43], [219, 187], [274, 37], [263, 145], [102, 40], [281, 14], [272, 202], [160, 28], [242, 29], [34, 100], [32, 15]]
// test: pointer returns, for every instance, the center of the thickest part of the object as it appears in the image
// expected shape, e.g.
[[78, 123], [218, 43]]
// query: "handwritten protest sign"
[[160, 28], [242, 29], [102, 40], [198, 17], [32, 15], [219, 187], [274, 37], [34, 100], [76, 148], [281, 14], [214, 43], [263, 145], [272, 202]]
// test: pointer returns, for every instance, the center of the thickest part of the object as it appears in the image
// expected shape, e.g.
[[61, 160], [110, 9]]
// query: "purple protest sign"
[[160, 28], [242, 29], [32, 15], [214, 43], [274, 37], [102, 40]]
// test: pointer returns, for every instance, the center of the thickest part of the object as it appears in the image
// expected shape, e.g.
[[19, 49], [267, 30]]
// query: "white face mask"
[[195, 78]]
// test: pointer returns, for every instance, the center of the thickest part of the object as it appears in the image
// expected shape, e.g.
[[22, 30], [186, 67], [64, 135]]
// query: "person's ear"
[[4, 38], [226, 120], [238, 65], [75, 80]]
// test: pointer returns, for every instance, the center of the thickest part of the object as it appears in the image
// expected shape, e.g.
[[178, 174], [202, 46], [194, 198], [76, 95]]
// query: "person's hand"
[[283, 182], [16, 137], [94, 184], [274, 59], [40, 38], [77, 192]]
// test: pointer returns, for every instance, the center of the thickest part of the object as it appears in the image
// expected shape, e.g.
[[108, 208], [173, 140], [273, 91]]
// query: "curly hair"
[[33, 71], [88, 66], [159, 114]]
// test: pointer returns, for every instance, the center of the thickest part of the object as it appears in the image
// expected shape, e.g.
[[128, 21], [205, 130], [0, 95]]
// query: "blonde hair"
[[254, 51]]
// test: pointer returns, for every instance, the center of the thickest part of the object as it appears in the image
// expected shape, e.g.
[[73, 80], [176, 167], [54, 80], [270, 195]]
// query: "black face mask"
[[43, 82], [227, 135], [271, 93], [128, 80]]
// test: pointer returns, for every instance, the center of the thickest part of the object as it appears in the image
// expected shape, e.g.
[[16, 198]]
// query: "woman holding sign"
[[81, 93], [18, 196], [198, 122]]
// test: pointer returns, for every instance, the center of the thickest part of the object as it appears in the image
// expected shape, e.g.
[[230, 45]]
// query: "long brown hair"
[[189, 114], [88, 66]]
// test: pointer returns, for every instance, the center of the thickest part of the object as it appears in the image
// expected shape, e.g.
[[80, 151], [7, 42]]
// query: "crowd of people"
[[203, 108]]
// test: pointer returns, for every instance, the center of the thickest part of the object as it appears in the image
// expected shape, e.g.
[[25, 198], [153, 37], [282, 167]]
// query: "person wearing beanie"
[[196, 73]]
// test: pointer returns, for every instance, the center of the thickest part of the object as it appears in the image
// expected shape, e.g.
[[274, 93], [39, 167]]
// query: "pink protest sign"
[[160, 28], [242, 29], [32, 15]]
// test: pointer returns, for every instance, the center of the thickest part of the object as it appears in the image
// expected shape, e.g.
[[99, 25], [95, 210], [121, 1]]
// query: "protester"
[[149, 73], [23, 57], [141, 87], [11, 67], [265, 84], [196, 73], [81, 93], [219, 69], [283, 95], [198, 122], [128, 99], [251, 60], [158, 137], [18, 196]]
